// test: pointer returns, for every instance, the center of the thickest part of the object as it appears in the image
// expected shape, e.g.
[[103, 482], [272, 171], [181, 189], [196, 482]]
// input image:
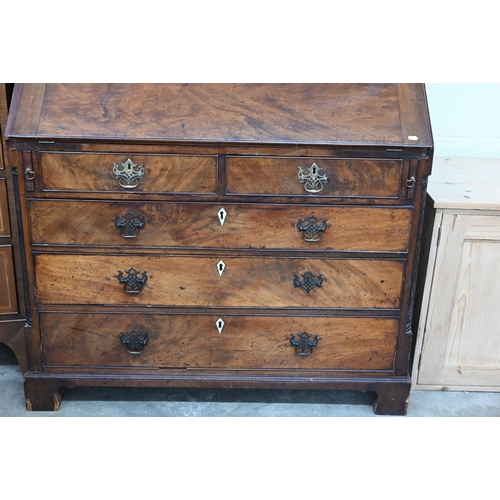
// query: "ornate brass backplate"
[[313, 181], [129, 174]]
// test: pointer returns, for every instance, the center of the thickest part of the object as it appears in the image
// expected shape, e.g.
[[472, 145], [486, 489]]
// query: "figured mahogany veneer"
[[345, 178], [93, 340], [195, 281], [221, 235], [162, 173], [197, 225]]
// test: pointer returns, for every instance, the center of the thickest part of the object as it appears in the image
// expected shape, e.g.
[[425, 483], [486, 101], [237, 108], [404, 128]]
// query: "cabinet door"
[[461, 346]]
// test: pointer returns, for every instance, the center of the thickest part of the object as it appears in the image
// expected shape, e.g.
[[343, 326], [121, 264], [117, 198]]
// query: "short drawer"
[[233, 342], [285, 176], [195, 225], [118, 172], [219, 281]]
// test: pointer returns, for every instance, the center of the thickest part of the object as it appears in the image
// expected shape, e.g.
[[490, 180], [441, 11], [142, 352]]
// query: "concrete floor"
[[139, 402]]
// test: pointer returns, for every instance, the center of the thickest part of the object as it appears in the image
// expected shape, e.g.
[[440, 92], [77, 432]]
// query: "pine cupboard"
[[458, 342], [221, 235]]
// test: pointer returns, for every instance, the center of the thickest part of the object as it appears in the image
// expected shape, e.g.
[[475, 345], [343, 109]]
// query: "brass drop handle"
[[304, 344], [134, 341], [410, 183], [30, 174], [313, 181], [129, 174], [312, 228], [130, 224], [134, 281]]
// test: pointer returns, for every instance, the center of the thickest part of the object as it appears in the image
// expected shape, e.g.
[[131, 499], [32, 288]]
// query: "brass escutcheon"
[[129, 175], [313, 180]]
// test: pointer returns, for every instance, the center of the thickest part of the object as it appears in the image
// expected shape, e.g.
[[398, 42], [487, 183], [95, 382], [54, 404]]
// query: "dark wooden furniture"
[[237, 236], [12, 313]]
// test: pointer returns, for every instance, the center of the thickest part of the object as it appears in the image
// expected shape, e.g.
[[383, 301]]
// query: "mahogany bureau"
[[221, 235]]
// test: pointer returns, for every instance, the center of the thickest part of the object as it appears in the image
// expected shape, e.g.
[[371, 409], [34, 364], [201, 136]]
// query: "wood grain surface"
[[162, 173], [249, 226], [4, 209], [265, 113], [461, 346], [346, 178], [465, 183], [8, 297], [195, 281], [194, 342]]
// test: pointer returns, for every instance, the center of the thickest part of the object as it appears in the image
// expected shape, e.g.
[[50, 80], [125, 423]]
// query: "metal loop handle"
[[304, 345], [129, 174], [134, 341], [130, 224], [313, 181], [410, 183], [312, 228], [134, 281]]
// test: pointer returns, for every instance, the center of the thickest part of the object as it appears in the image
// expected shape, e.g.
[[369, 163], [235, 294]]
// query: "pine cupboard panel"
[[459, 337]]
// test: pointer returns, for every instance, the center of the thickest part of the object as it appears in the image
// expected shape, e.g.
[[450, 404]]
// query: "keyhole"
[[314, 170], [219, 324], [222, 216], [220, 267]]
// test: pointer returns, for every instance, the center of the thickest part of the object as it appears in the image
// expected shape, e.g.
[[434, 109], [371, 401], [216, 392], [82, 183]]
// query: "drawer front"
[[245, 342], [221, 281], [219, 226], [113, 172], [8, 296], [4, 208], [346, 178]]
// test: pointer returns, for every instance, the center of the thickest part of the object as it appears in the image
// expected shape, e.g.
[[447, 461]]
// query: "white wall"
[[465, 118]]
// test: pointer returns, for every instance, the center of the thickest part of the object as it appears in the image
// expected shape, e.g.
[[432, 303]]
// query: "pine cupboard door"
[[461, 344]]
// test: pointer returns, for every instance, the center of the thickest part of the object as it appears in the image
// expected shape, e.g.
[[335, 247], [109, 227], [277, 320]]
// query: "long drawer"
[[329, 177], [179, 341], [118, 172], [219, 281], [202, 225]]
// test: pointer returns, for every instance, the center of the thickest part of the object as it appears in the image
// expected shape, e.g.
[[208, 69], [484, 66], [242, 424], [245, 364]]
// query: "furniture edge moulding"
[[12, 323]]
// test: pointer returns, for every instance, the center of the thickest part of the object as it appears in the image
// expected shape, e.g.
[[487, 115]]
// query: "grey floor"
[[134, 402]]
